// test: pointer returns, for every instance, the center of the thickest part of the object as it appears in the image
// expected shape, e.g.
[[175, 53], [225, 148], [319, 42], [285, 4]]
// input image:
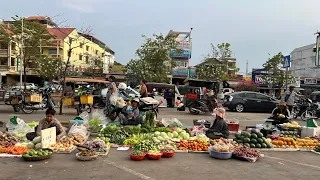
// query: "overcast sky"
[[253, 27]]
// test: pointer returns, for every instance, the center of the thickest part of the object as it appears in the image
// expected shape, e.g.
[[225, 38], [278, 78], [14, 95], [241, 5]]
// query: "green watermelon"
[[239, 141], [269, 145], [254, 141], [246, 144], [252, 145], [248, 135], [246, 140], [254, 136], [243, 133], [238, 135], [260, 141], [260, 135], [264, 145], [258, 145]]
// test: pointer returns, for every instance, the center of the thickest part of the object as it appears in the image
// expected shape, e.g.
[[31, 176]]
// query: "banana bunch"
[[293, 124]]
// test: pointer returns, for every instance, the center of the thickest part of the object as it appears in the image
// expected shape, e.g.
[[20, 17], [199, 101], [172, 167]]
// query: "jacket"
[[219, 127]]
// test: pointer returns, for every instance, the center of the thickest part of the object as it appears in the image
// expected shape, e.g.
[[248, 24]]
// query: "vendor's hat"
[[221, 112], [136, 100], [282, 103]]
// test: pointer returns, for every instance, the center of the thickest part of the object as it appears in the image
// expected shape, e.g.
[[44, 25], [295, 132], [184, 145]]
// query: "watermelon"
[[254, 136], [247, 135], [269, 145], [252, 145], [253, 130], [243, 133], [254, 141], [239, 141], [246, 144], [246, 140], [260, 141], [259, 134], [238, 135], [258, 145], [264, 145]]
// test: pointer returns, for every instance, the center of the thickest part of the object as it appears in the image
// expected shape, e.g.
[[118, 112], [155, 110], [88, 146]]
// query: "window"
[[81, 45], [87, 48], [13, 62], [96, 52], [52, 51], [87, 59], [250, 95], [3, 61], [80, 57], [41, 51], [262, 97]]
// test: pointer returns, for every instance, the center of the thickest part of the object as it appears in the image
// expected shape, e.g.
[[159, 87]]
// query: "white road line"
[[133, 172], [302, 164]]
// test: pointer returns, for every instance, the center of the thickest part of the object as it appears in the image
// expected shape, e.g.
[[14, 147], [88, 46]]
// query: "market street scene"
[[117, 89]]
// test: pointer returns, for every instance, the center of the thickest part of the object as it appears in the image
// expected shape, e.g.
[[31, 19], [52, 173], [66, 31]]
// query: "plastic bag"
[[174, 122], [78, 129], [100, 115]]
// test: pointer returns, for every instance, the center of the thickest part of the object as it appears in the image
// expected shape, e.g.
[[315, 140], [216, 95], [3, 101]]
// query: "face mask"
[[214, 115]]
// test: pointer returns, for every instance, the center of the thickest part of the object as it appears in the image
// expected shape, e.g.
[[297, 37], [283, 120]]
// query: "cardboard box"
[[310, 132]]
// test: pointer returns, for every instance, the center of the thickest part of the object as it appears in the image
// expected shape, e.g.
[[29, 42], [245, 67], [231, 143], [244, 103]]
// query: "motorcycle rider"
[[289, 97]]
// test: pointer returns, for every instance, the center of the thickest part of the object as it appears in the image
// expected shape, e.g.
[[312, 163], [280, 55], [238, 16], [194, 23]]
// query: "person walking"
[[112, 88]]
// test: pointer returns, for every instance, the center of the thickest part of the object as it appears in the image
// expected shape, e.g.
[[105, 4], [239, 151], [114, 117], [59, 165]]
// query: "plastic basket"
[[137, 158], [14, 101], [33, 98], [168, 154], [233, 127], [86, 99], [219, 155], [155, 156], [67, 101]]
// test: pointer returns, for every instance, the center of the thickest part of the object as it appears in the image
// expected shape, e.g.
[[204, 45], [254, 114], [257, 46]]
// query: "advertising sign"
[[183, 72], [259, 76], [183, 50]]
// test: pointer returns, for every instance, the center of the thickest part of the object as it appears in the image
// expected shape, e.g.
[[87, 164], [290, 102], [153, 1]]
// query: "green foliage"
[[154, 62], [95, 68], [50, 69], [214, 67], [277, 75]]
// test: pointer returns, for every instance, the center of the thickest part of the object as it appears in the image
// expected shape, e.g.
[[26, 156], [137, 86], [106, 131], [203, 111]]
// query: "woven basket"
[[86, 158], [39, 158]]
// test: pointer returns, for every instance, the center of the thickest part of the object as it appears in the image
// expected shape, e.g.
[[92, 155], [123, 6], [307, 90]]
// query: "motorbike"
[[311, 112], [300, 107], [47, 102], [80, 108], [202, 106], [14, 97]]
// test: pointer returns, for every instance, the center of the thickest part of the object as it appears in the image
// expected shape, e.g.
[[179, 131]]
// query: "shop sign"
[[183, 50]]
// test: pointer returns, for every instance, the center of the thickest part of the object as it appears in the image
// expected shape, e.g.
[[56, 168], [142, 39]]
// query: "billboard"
[[183, 72], [183, 50], [259, 76]]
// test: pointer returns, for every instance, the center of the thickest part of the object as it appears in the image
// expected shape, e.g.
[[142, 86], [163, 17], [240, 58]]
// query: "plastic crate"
[[14, 101], [233, 127], [33, 98], [86, 99], [67, 101]]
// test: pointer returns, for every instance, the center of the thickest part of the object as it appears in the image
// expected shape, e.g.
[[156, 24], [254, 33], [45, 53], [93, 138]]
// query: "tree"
[[246, 85], [154, 63], [50, 69], [276, 74], [215, 65], [95, 68], [29, 35]]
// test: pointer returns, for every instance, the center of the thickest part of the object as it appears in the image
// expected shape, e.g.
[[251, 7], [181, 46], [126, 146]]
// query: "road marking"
[[133, 172], [302, 164]]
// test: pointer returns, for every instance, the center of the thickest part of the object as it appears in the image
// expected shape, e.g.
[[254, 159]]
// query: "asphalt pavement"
[[275, 165]]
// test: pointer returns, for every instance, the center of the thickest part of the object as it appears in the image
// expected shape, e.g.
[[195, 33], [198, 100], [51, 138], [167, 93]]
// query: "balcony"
[[54, 56], [4, 52], [53, 43]]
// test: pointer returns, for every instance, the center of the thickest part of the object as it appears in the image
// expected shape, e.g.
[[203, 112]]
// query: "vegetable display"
[[8, 140], [306, 143], [143, 146], [37, 153], [254, 139], [194, 145], [246, 153], [16, 150], [317, 148]]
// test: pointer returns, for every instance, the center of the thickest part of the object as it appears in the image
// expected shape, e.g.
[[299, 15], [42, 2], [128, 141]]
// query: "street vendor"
[[48, 122], [130, 114], [220, 127], [281, 113]]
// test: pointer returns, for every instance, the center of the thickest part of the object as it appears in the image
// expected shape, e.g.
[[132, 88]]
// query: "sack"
[[78, 129]]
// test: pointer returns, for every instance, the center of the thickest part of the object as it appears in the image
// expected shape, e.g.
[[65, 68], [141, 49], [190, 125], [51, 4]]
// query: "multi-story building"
[[85, 48], [303, 66]]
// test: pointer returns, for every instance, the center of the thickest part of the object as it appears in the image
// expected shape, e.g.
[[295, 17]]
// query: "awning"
[[86, 80]]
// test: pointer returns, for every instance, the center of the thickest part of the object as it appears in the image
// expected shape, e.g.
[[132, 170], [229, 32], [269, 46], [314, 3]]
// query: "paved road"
[[275, 165]]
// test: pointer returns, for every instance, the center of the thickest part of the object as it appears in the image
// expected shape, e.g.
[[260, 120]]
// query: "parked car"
[[250, 101], [223, 92]]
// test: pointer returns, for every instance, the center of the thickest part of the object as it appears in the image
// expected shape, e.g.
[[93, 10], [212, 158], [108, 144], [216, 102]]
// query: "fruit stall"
[[154, 139]]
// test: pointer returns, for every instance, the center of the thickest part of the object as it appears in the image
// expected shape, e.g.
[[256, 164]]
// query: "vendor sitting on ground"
[[281, 113], [130, 114], [219, 129], [48, 122]]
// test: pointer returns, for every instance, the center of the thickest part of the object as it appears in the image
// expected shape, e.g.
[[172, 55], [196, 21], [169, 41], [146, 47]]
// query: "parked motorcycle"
[[80, 108], [202, 106], [300, 107], [311, 112], [30, 107]]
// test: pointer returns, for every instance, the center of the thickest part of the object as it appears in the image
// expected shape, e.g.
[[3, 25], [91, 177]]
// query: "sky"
[[254, 28]]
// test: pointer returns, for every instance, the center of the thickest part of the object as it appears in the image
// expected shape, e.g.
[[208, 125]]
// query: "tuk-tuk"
[[315, 96]]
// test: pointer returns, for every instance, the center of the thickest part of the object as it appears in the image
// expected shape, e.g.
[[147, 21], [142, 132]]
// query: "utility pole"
[[247, 68], [317, 62], [21, 52], [190, 50]]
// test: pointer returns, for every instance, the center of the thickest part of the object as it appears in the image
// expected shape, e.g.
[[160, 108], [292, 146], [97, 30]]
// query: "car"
[[250, 101], [223, 92]]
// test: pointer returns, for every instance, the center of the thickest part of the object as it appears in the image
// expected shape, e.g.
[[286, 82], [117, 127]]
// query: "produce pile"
[[253, 139], [289, 134], [317, 148], [8, 140], [194, 145], [305, 143], [246, 153], [97, 145], [37, 153], [15, 150], [224, 145], [67, 144], [293, 124]]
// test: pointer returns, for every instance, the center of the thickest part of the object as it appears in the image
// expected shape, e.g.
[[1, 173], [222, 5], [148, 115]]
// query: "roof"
[[86, 80], [5, 28], [60, 33], [38, 18], [89, 36], [310, 46]]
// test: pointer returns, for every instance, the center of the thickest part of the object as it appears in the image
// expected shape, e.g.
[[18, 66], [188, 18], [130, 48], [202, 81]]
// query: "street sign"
[[286, 61]]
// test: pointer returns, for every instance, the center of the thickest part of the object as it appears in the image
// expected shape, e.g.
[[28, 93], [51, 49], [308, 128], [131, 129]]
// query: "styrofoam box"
[[310, 132]]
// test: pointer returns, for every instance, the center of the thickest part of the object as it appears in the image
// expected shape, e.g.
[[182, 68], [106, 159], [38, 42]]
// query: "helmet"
[[122, 86]]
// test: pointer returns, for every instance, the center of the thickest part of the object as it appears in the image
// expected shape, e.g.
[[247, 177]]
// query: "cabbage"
[[170, 135], [37, 140], [160, 138], [157, 133], [179, 130], [163, 134], [38, 146], [186, 136], [154, 139], [175, 134], [30, 145]]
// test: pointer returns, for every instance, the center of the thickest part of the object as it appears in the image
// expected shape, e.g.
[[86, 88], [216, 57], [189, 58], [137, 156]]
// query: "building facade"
[[303, 66]]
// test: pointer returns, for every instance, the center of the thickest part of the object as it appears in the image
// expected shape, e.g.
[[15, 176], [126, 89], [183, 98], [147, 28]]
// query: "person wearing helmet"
[[130, 114], [122, 86]]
